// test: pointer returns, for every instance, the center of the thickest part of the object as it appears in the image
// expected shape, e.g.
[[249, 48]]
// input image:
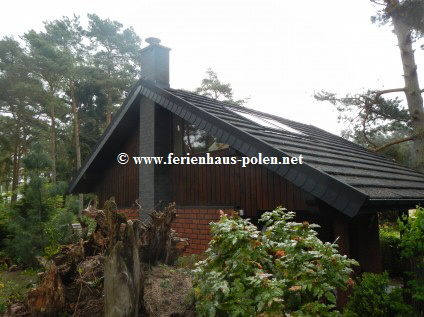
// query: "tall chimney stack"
[[155, 63], [155, 129]]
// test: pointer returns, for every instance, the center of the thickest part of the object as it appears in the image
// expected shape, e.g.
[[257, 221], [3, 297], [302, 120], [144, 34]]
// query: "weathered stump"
[[75, 279], [159, 243], [122, 276], [48, 299]]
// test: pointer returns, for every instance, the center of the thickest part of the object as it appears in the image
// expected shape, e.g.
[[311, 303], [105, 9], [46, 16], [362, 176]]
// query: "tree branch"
[[340, 99], [378, 93], [380, 148], [368, 106], [371, 107], [378, 2]]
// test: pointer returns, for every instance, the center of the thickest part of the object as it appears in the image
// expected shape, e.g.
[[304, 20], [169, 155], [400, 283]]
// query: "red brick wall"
[[194, 224], [131, 213], [190, 223]]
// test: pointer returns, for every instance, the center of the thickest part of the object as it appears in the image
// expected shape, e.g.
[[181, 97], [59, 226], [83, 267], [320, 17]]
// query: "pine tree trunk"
[[412, 88], [7, 186], [53, 145], [108, 108], [76, 135], [2, 172], [76, 124], [108, 118], [15, 173], [53, 136], [16, 161]]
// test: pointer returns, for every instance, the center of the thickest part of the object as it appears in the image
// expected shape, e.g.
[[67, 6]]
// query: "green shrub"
[[390, 236], [285, 269], [37, 222], [58, 228], [3, 222], [412, 246], [188, 261], [373, 297], [390, 251], [413, 234]]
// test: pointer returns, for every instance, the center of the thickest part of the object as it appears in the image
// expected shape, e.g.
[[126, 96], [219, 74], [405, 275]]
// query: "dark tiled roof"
[[344, 175], [370, 173]]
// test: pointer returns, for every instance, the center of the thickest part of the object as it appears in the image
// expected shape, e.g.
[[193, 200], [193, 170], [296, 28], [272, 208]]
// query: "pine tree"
[[370, 109], [48, 63], [116, 54], [213, 88], [21, 97]]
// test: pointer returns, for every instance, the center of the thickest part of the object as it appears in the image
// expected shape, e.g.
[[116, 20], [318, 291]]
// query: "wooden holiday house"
[[340, 185]]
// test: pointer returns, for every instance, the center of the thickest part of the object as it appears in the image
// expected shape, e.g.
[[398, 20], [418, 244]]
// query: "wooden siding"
[[252, 188], [121, 180]]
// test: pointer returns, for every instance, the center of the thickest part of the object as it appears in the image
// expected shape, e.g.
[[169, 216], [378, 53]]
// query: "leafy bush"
[[413, 234], [390, 250], [412, 246], [188, 261], [285, 269], [373, 297], [3, 222], [58, 228], [390, 236]]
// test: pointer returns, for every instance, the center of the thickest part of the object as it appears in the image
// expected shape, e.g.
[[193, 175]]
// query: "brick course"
[[130, 213], [193, 224], [190, 223]]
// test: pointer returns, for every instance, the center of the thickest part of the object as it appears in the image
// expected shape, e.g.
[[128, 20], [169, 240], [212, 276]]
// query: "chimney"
[[155, 63], [156, 123]]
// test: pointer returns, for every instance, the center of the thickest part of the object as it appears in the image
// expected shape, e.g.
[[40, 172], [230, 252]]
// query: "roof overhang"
[[373, 205]]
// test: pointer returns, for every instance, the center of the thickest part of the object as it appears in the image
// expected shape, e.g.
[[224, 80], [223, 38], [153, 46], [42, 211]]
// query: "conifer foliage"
[[38, 220], [59, 88]]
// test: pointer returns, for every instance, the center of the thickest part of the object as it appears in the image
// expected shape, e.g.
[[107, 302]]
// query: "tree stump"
[[48, 299], [122, 276], [75, 279]]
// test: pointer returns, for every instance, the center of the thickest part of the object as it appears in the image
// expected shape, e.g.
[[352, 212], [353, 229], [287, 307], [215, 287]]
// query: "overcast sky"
[[277, 52]]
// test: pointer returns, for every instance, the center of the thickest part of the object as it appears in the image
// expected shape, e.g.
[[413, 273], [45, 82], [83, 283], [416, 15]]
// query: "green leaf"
[[330, 296]]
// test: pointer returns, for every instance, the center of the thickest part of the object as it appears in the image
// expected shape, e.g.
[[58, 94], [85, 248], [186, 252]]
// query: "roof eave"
[[391, 204]]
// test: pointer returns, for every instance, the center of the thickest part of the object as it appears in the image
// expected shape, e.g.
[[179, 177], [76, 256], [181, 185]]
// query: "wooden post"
[[367, 242], [341, 232]]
